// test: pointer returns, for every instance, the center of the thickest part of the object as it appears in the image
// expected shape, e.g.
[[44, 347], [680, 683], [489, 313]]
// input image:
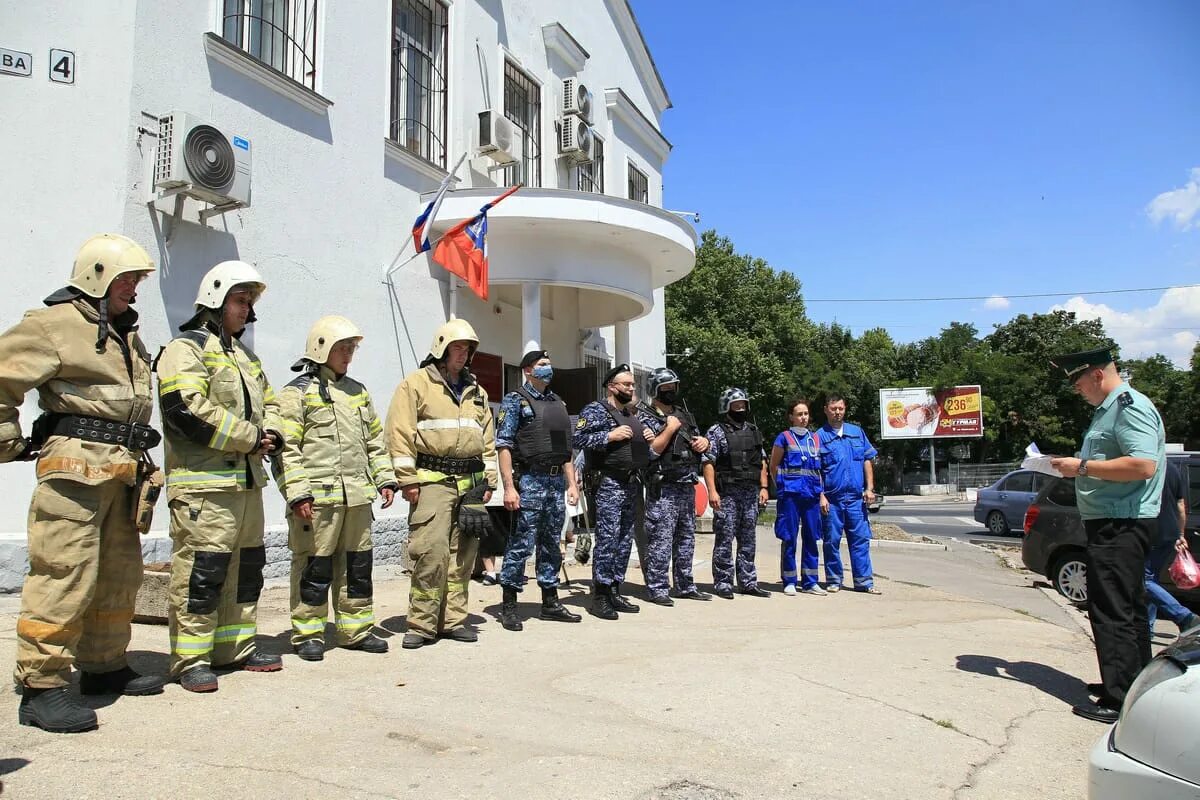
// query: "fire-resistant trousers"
[[217, 562], [85, 567], [331, 554], [442, 560]]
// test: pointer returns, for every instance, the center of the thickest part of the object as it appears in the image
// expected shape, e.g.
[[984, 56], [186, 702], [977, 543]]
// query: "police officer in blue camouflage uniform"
[[670, 490], [618, 452], [533, 441], [735, 472]]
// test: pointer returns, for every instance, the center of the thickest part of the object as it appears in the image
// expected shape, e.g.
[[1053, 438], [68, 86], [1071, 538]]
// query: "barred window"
[[589, 177], [523, 106], [280, 33], [639, 185], [418, 102]]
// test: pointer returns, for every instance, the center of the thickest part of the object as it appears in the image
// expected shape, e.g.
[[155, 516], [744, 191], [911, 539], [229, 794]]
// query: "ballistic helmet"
[[455, 330], [660, 377], [102, 258], [223, 278], [325, 333], [731, 396]]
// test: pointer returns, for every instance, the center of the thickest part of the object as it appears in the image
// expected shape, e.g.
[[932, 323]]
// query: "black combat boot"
[[552, 609], [602, 602], [620, 603], [508, 610], [55, 710]]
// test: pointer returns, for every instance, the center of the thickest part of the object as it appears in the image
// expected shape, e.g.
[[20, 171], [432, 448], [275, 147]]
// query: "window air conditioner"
[[499, 139], [577, 99], [202, 160], [575, 139]]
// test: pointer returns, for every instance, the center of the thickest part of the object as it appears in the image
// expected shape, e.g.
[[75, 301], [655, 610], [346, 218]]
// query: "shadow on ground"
[[1056, 683]]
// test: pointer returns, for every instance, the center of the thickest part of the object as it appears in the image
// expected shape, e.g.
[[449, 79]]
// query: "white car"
[[1153, 752]]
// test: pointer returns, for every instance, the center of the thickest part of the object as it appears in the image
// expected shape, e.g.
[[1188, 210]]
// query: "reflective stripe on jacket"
[[333, 451], [215, 405]]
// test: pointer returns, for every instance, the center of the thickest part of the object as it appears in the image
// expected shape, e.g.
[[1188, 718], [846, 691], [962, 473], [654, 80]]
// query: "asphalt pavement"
[[948, 518]]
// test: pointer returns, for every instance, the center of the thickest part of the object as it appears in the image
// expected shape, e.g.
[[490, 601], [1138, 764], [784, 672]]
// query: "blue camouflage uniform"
[[543, 504], [798, 505], [842, 457], [615, 501], [737, 519], [670, 518]]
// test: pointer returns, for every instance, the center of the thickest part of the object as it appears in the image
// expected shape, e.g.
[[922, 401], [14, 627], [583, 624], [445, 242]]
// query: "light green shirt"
[[1125, 424]]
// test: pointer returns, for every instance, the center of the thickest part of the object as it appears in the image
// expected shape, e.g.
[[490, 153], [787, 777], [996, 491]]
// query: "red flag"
[[463, 249]]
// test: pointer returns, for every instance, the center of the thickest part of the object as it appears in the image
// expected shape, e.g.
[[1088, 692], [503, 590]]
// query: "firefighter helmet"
[[102, 258], [455, 330], [325, 333], [222, 279]]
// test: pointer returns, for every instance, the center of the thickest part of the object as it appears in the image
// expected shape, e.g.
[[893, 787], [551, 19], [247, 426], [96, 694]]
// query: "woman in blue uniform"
[[796, 466]]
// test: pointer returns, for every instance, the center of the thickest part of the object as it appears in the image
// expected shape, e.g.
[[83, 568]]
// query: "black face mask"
[[738, 416], [669, 397], [623, 398]]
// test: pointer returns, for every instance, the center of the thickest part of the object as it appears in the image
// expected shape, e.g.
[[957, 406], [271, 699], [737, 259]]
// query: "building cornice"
[[240, 61], [642, 59], [624, 108], [559, 40], [402, 155]]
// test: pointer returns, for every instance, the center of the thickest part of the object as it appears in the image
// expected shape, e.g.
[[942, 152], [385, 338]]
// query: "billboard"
[[921, 413]]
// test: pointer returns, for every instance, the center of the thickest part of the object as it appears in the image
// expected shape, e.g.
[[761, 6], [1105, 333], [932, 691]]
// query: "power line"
[[990, 296]]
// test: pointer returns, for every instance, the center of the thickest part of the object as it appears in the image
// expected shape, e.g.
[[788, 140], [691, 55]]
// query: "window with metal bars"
[[419, 99], [589, 177], [523, 107], [280, 33], [639, 185]]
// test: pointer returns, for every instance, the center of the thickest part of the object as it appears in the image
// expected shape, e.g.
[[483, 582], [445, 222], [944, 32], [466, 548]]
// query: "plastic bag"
[[1184, 571]]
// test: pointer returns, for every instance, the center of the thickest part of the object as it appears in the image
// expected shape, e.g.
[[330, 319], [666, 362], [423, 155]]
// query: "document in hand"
[[1037, 462]]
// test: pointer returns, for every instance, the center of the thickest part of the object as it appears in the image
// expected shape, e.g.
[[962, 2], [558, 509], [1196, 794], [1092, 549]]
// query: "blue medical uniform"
[[842, 457], [798, 505]]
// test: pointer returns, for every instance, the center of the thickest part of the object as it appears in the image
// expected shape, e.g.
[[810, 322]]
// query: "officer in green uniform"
[[1118, 488]]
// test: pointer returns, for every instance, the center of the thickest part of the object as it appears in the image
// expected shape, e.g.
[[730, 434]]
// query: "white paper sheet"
[[1037, 462]]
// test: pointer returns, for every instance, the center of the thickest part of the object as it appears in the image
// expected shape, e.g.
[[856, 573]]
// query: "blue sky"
[[946, 148]]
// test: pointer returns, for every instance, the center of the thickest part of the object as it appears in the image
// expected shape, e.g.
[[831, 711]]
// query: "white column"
[[621, 334], [531, 314]]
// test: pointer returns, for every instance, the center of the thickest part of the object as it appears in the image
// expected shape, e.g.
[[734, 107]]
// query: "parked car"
[[1153, 752], [1055, 543], [1001, 506]]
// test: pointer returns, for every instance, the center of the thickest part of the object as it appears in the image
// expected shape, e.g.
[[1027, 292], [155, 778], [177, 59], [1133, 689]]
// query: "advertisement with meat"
[[921, 413]]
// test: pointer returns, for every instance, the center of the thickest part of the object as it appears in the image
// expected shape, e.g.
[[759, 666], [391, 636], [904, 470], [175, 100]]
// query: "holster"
[[146, 489], [654, 482]]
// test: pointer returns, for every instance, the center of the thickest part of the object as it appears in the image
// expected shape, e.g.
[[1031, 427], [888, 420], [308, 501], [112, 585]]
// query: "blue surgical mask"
[[543, 372]]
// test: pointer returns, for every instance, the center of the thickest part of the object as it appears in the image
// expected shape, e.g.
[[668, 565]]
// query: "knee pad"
[[206, 581], [250, 573], [358, 574], [315, 580]]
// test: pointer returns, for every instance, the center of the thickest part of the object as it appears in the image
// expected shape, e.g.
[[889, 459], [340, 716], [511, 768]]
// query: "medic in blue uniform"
[[849, 479], [796, 466]]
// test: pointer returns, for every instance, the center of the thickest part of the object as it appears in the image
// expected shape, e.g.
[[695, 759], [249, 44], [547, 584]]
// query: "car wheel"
[[1069, 576], [997, 524]]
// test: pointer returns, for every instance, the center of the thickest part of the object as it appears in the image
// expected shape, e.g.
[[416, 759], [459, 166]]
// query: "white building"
[[347, 113]]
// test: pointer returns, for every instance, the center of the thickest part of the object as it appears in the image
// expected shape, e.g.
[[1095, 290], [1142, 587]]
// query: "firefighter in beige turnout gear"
[[332, 466], [92, 373], [442, 442], [220, 418]]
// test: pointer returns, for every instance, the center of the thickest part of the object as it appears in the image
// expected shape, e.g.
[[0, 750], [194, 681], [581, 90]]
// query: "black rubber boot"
[[554, 610], [508, 610], [55, 710], [371, 644], [620, 603], [257, 661], [311, 650], [199, 679], [122, 681], [602, 603]]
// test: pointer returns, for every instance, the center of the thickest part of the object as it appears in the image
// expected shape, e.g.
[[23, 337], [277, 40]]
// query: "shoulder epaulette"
[[1125, 399], [197, 336], [302, 382]]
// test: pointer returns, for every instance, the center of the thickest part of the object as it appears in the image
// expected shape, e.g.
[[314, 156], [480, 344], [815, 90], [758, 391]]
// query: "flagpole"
[[387, 272], [453, 297]]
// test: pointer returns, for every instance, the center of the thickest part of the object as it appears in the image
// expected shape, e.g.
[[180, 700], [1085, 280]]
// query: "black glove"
[[473, 518], [30, 453]]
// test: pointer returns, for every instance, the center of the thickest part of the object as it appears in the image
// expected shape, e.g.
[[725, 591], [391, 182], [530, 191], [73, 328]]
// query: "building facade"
[[344, 118]]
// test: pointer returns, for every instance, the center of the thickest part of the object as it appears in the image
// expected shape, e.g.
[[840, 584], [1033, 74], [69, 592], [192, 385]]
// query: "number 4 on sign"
[[62, 66]]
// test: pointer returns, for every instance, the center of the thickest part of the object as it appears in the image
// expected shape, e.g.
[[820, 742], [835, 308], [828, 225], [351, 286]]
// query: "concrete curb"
[[901, 544], [1076, 616]]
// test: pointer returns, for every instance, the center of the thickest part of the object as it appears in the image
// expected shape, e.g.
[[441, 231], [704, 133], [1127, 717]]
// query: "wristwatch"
[[1083, 467]]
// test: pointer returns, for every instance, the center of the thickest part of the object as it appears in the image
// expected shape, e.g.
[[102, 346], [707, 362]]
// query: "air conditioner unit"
[[202, 160], [576, 99], [575, 139], [499, 139]]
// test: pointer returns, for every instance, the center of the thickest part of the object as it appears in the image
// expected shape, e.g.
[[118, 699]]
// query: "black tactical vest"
[[630, 455], [545, 440], [678, 460], [742, 465]]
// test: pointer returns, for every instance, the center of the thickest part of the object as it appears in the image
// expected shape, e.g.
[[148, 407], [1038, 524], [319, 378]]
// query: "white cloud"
[[1181, 206], [996, 301], [1168, 327]]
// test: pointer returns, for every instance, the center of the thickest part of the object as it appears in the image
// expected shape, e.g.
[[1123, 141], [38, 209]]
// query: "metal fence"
[[976, 476]]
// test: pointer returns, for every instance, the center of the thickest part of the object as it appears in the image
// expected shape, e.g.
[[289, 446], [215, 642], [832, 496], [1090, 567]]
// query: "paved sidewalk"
[[955, 683]]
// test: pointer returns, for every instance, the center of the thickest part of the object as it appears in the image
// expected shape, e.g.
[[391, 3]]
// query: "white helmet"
[[325, 333], [102, 258], [455, 330], [222, 278]]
